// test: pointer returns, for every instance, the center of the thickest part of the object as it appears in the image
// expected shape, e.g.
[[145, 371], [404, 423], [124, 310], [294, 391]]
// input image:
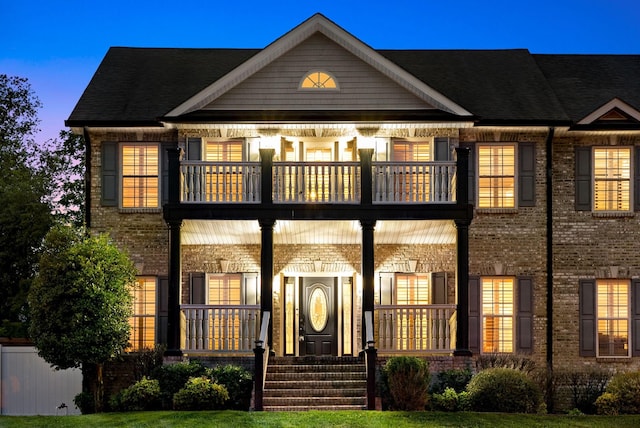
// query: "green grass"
[[318, 419]]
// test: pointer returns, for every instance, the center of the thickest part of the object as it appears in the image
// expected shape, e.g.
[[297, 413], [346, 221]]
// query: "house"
[[320, 197]]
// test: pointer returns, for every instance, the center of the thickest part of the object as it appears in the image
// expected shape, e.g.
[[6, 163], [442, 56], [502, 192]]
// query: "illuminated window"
[[496, 176], [411, 151], [613, 318], [225, 289], [143, 332], [318, 80], [411, 182], [140, 169], [497, 314], [224, 182], [413, 327], [612, 179], [228, 319], [223, 151]]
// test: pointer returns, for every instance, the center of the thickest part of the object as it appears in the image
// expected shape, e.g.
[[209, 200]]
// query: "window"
[[225, 289], [411, 151], [497, 314], [612, 300], [144, 311], [318, 80], [411, 183], [611, 179], [223, 151], [496, 176], [140, 176], [224, 182]]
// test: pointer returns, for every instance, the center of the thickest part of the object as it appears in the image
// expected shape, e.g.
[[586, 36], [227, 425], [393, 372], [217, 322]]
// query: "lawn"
[[319, 419]]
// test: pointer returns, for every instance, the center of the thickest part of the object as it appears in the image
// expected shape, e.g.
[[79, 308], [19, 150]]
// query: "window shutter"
[[636, 179], [583, 178], [194, 148], [526, 174], [441, 149], [474, 314], [524, 320], [251, 292], [439, 288], [162, 304], [386, 289], [198, 288], [587, 318], [109, 174], [635, 317], [164, 171], [472, 171]]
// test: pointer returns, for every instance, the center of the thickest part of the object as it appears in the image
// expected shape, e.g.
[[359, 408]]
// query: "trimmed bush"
[[505, 361], [142, 395], [407, 382], [173, 377], [626, 389], [239, 384], [450, 400], [607, 404], [585, 386], [200, 393], [456, 379], [503, 390]]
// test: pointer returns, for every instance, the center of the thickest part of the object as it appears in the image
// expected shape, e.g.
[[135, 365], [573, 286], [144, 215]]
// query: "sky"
[[58, 44]]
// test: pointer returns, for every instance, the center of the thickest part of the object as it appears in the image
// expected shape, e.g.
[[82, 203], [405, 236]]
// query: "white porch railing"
[[415, 328], [323, 182], [220, 181], [220, 328], [414, 182]]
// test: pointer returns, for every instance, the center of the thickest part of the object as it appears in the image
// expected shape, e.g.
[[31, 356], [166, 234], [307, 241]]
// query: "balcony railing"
[[414, 182], [220, 328], [318, 182], [415, 328]]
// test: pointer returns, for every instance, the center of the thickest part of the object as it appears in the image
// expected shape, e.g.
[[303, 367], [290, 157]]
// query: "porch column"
[[462, 278], [266, 175], [366, 174], [266, 270], [175, 285], [368, 268]]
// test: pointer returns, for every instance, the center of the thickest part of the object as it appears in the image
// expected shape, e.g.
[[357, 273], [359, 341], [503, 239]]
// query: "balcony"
[[318, 182]]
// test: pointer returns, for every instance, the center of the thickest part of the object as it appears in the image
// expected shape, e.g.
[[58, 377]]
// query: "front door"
[[318, 333]]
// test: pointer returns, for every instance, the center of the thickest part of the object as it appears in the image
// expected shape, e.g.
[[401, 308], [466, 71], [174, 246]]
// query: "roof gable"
[[318, 24], [615, 112]]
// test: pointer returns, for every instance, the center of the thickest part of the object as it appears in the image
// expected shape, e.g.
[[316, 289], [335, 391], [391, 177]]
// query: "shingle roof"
[[583, 83], [140, 85]]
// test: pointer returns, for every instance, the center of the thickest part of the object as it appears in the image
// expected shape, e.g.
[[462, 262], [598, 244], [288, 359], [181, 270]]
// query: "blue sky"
[[58, 44]]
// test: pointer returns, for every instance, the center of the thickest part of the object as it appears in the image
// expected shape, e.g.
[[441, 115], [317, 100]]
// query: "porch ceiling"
[[247, 232]]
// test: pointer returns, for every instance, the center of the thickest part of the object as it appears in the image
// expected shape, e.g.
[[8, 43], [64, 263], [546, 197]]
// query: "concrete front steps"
[[315, 383]]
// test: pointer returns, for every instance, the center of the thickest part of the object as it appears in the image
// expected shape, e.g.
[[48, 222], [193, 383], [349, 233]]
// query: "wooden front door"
[[318, 319]]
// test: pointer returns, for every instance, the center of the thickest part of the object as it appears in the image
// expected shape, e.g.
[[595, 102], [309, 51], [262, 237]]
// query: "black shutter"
[[163, 309], [164, 172], [194, 148], [442, 150], [109, 174], [439, 288], [635, 317], [583, 178], [636, 179], [524, 320], [587, 317], [474, 314], [197, 287], [472, 171], [526, 174]]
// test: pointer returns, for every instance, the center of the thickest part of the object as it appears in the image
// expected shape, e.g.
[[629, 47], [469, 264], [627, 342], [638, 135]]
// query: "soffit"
[[286, 232]]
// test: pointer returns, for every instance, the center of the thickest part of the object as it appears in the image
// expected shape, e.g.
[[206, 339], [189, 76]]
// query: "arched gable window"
[[318, 79]]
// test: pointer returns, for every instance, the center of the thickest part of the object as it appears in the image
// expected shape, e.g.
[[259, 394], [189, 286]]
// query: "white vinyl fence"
[[29, 386]]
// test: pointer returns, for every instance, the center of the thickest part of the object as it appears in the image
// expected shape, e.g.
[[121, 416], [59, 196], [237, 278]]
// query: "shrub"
[[456, 379], [505, 361], [447, 401], [503, 390], [173, 377], [407, 382], [585, 386], [607, 404], [626, 389], [142, 395], [239, 384], [200, 393], [85, 402]]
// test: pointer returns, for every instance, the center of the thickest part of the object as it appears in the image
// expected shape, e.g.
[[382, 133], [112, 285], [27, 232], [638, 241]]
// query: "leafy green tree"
[[25, 216], [81, 302]]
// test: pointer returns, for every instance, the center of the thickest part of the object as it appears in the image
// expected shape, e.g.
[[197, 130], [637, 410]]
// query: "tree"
[[25, 216], [81, 302]]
